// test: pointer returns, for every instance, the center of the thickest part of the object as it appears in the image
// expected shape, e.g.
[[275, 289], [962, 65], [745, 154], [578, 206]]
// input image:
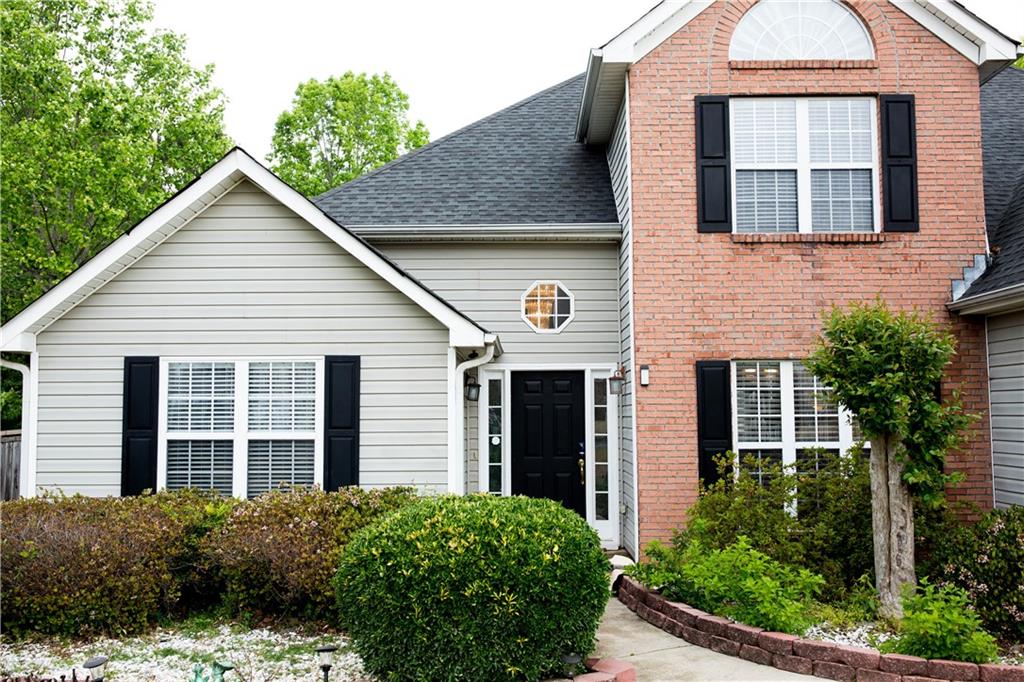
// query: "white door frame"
[[607, 529]]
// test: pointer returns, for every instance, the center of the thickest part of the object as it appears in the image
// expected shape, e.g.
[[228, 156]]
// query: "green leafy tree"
[[886, 367], [102, 120], [340, 128]]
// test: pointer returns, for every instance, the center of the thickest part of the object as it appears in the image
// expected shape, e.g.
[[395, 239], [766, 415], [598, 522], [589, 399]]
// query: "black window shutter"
[[713, 181], [139, 424], [899, 164], [341, 421], [714, 416]]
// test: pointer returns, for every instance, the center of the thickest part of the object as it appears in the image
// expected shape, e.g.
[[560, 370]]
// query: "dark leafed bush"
[[473, 588], [986, 559], [817, 515], [80, 565], [278, 552]]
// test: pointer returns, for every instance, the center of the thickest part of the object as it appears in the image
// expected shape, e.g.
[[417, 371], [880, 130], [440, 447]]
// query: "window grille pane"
[[282, 396], [276, 463], [800, 29], [764, 130], [495, 396], [547, 306], [840, 130], [763, 461], [601, 463], [202, 464], [766, 201], [200, 396], [842, 201], [815, 410], [758, 402]]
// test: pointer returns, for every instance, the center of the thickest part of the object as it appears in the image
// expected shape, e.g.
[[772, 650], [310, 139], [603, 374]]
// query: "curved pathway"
[[660, 657]]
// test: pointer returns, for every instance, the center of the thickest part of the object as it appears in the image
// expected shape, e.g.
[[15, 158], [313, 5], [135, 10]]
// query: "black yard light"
[[571, 663], [97, 666], [326, 656], [219, 668]]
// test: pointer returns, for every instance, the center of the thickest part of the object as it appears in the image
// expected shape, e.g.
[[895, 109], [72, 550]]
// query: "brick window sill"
[[804, 64], [818, 238]]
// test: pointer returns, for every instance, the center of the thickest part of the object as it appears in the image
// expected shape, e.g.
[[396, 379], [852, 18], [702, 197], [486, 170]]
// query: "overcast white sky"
[[458, 60]]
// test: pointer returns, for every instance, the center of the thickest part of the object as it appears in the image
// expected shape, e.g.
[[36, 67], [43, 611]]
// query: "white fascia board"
[[112, 260], [24, 342], [491, 232], [1002, 300], [960, 30]]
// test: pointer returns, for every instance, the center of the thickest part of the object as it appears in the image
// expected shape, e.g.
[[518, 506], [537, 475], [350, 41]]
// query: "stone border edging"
[[797, 655]]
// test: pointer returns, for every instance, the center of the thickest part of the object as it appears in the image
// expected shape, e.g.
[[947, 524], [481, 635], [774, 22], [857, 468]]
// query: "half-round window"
[[775, 30], [547, 307]]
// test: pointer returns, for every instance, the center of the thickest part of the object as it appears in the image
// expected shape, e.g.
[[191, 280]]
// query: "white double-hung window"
[[804, 164], [241, 427], [784, 415]]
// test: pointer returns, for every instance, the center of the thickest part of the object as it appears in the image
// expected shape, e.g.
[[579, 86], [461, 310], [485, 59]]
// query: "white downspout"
[[27, 400], [457, 430]]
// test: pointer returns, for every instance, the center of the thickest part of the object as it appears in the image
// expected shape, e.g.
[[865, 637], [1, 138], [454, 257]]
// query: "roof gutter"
[[589, 91], [998, 301]]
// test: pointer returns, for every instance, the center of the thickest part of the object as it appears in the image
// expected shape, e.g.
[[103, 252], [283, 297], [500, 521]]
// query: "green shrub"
[[473, 588], [830, 533], [939, 623], [82, 565], [278, 552], [738, 582], [986, 559]]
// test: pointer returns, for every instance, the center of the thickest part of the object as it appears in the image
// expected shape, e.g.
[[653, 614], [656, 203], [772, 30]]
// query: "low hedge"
[[82, 565], [473, 588], [277, 553]]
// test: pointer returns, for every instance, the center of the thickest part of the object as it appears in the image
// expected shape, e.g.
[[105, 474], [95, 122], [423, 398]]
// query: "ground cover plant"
[[473, 588]]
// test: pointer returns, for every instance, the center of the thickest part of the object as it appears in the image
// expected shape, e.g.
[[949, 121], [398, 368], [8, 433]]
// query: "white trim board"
[[236, 165]]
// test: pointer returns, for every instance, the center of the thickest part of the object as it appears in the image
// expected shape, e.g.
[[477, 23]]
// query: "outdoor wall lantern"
[[97, 666], [616, 381], [326, 656], [472, 389]]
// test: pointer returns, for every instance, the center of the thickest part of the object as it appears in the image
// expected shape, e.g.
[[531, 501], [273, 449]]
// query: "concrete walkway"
[[660, 657]]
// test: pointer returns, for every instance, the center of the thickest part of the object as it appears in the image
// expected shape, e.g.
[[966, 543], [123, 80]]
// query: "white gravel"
[[864, 634], [259, 655]]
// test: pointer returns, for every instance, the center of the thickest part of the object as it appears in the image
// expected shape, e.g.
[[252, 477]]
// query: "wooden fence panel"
[[10, 464]]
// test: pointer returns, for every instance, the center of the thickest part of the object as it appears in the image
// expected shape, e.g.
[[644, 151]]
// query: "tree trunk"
[[892, 522]]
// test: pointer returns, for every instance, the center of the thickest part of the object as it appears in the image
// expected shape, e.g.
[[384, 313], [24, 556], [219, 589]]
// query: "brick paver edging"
[[789, 652]]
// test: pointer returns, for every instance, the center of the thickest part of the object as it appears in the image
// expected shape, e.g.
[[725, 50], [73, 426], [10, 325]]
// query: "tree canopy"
[[340, 128], [102, 120]]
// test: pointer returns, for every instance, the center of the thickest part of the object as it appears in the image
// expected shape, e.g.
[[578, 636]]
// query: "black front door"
[[548, 435]]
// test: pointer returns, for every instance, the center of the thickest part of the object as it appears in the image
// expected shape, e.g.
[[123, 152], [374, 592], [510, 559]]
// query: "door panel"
[[548, 435]]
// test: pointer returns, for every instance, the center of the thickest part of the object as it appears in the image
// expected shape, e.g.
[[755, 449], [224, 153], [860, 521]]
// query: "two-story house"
[[584, 296]]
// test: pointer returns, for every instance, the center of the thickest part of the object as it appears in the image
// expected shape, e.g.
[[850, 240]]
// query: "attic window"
[[547, 307], [778, 30]]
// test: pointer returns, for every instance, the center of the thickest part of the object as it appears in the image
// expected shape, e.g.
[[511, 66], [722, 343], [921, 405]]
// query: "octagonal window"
[[547, 307]]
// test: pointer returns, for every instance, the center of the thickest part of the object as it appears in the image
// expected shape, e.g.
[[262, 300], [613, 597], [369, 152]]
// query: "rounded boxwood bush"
[[473, 588]]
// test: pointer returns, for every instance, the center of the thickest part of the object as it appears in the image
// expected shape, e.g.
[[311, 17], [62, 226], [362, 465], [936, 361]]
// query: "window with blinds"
[[785, 415], [804, 164], [242, 427]]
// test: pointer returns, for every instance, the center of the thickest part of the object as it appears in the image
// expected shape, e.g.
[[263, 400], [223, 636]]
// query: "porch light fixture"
[[472, 389], [325, 654], [616, 381], [97, 666]]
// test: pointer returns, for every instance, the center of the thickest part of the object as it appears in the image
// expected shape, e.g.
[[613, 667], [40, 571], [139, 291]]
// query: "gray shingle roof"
[[1002, 101], [520, 165]]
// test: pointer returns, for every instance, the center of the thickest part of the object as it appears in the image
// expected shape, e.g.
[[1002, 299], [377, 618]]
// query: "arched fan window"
[[776, 30]]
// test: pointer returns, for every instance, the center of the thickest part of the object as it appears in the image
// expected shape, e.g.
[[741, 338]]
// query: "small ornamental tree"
[[886, 367]]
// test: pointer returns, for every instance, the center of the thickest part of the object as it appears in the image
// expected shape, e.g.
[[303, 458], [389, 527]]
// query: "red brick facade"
[[722, 297]]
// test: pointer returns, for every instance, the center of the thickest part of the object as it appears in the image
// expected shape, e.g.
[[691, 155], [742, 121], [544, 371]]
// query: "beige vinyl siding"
[[247, 277], [486, 281], [619, 167], [1006, 390]]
